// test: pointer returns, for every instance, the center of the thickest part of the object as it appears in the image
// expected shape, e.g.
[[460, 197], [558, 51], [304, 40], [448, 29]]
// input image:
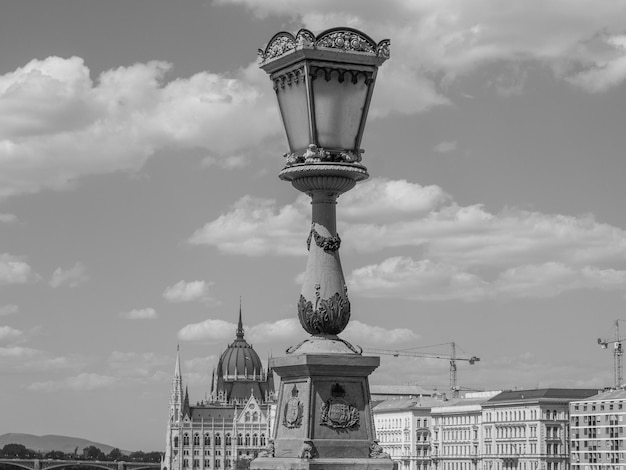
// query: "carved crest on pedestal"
[[292, 414], [338, 412]]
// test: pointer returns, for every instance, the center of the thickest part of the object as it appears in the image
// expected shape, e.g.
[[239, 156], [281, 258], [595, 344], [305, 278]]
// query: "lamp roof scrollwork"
[[341, 39]]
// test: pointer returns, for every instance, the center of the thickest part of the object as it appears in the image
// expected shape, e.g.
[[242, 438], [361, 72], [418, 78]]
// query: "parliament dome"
[[240, 361]]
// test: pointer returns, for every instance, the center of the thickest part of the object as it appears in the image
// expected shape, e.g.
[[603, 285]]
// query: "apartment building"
[[528, 429], [403, 430], [598, 433], [457, 432]]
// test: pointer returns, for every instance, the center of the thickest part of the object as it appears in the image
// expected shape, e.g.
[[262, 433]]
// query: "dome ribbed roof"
[[239, 360]]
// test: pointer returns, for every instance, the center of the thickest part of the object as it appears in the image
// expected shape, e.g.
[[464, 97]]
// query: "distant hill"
[[52, 442]]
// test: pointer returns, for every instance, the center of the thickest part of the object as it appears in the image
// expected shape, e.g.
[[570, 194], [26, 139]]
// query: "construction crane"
[[618, 352], [452, 358]]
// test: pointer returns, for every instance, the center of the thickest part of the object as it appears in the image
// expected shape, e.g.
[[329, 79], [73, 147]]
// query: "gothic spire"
[[240, 323], [177, 367], [176, 394], [186, 410]]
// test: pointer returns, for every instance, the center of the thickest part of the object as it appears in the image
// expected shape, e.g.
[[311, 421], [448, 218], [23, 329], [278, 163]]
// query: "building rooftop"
[[543, 394], [401, 390], [618, 394], [404, 404]]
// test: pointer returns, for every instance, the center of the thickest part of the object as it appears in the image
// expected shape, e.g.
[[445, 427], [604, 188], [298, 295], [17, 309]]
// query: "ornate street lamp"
[[324, 85]]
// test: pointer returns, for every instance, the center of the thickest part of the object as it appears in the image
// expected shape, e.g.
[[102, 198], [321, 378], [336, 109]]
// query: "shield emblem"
[[292, 416], [338, 413]]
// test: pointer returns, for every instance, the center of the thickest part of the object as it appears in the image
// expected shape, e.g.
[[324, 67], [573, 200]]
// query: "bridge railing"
[[45, 464]]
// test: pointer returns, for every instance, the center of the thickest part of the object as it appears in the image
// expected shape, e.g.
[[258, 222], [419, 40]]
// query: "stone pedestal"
[[321, 464], [324, 417]]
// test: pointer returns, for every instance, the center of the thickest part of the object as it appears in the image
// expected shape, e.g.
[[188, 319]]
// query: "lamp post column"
[[323, 84], [323, 307]]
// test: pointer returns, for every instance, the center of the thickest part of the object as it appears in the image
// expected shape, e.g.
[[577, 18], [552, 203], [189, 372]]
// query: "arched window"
[[185, 439], [247, 439], [263, 443], [239, 439], [255, 416], [218, 440], [175, 441], [207, 439], [228, 439], [255, 440], [196, 439], [247, 416]]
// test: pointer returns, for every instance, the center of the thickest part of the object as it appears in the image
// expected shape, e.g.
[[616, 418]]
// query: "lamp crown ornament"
[[341, 38]]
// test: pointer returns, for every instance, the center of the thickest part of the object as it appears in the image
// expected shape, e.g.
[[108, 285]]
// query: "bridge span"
[[47, 464]]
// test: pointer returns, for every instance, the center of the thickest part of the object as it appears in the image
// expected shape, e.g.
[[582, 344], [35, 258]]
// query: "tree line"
[[19, 451]]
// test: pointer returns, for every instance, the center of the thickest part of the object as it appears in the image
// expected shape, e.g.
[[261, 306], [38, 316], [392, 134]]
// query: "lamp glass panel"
[[338, 109], [292, 100]]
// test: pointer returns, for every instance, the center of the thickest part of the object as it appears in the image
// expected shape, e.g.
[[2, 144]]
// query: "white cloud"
[[8, 309], [228, 163], [384, 199], [256, 227], [20, 359], [7, 218], [289, 331], [15, 271], [222, 331], [606, 63], [71, 277], [52, 114], [391, 214], [208, 330], [471, 235], [139, 314], [450, 38], [464, 252], [84, 382], [191, 291], [137, 366], [285, 330], [373, 336], [403, 277], [445, 147], [7, 333]]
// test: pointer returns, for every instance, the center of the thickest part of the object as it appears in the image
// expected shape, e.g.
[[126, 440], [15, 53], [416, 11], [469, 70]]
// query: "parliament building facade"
[[232, 424]]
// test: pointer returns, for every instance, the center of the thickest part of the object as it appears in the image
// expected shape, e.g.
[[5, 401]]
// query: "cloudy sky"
[[139, 199]]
